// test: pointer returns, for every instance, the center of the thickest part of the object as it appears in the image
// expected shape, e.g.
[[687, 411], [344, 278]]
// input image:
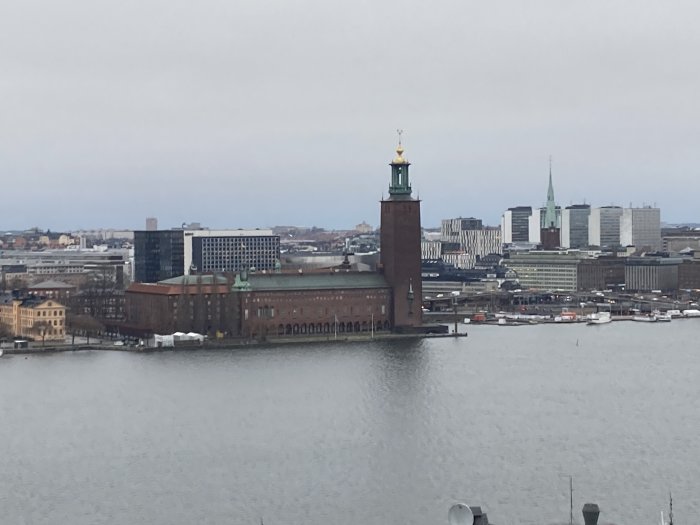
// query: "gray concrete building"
[[641, 228]]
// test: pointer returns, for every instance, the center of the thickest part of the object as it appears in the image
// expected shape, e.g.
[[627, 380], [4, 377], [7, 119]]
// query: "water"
[[364, 433]]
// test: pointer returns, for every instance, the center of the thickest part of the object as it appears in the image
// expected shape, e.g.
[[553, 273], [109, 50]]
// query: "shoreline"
[[224, 344]]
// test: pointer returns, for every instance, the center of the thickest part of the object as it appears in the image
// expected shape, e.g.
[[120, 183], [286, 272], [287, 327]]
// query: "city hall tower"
[[400, 255]]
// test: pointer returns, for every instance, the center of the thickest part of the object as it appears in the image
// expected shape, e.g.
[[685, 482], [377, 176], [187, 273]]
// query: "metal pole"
[[571, 496]]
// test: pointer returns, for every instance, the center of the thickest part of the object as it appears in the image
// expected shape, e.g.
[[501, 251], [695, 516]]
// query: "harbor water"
[[365, 433]]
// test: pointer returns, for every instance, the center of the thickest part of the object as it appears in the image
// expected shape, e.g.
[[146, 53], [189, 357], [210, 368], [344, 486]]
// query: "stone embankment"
[[223, 343]]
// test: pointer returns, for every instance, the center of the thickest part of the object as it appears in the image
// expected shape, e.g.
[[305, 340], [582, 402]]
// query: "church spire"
[[550, 215], [400, 187]]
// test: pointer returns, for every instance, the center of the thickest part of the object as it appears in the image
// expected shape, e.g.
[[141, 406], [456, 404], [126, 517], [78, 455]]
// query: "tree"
[[83, 325], [5, 331], [41, 328]]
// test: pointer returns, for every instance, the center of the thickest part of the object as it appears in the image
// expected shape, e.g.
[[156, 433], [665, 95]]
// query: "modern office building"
[[212, 251], [601, 273], [545, 270], [643, 274], [158, 255], [164, 254], [463, 242], [641, 228], [515, 224], [451, 229], [604, 227], [574, 226]]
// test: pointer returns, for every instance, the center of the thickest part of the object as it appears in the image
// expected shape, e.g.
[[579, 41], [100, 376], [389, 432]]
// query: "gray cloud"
[[262, 113]]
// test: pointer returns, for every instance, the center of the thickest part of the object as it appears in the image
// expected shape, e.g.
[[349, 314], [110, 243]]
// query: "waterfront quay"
[[552, 303]]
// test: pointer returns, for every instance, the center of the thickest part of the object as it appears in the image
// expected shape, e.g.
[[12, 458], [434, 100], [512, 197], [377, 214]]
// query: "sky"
[[284, 112]]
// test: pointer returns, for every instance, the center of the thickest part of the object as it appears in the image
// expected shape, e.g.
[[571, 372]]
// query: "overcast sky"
[[259, 113]]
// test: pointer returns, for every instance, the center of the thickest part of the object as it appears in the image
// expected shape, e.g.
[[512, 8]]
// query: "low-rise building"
[[643, 274], [33, 317], [543, 270], [601, 273], [689, 275]]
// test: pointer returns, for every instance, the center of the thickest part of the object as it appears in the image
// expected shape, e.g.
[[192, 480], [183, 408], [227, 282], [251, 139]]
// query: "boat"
[[662, 317], [599, 318], [645, 318]]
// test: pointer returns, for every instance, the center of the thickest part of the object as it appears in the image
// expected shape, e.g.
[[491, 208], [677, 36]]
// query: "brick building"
[[321, 303], [400, 257], [272, 304], [189, 303]]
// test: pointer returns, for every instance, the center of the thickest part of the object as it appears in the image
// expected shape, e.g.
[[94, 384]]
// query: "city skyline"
[[256, 115]]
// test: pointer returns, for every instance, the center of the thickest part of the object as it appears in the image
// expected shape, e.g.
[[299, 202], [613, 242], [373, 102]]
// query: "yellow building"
[[36, 318]]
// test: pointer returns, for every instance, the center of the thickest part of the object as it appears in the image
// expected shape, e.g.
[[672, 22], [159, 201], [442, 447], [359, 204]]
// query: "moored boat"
[[599, 318]]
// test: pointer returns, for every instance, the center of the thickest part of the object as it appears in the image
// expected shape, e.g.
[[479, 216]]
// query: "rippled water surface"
[[359, 434]]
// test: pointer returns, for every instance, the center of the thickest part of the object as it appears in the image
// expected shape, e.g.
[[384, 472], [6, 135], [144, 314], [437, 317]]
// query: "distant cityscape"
[[180, 278]]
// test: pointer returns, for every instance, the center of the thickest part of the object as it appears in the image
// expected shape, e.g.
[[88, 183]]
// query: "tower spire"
[[400, 187], [550, 215]]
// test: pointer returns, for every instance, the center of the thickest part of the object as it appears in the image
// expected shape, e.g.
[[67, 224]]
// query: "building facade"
[[689, 275], [604, 227], [641, 228], [164, 254], [313, 304], [515, 224], [601, 273], [33, 317], [542, 270], [400, 257], [197, 303], [158, 255], [643, 274], [208, 251], [574, 226]]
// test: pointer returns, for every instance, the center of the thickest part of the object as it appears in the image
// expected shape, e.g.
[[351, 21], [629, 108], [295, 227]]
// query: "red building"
[[274, 304], [400, 247]]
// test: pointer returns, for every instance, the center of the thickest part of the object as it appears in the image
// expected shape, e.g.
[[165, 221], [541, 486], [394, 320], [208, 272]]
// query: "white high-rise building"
[[604, 226], [574, 226], [515, 224], [641, 228], [534, 226]]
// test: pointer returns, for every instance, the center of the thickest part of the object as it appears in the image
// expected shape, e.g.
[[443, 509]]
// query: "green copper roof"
[[316, 281], [185, 280]]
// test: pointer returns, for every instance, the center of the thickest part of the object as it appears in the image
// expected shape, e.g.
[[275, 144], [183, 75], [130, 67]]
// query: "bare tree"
[[41, 328], [83, 325]]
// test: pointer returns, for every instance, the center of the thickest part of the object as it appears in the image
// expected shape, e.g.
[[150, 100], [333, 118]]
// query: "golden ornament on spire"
[[399, 150]]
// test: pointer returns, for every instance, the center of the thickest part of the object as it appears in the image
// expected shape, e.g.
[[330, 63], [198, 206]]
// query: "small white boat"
[[663, 317], [645, 318], [599, 318]]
